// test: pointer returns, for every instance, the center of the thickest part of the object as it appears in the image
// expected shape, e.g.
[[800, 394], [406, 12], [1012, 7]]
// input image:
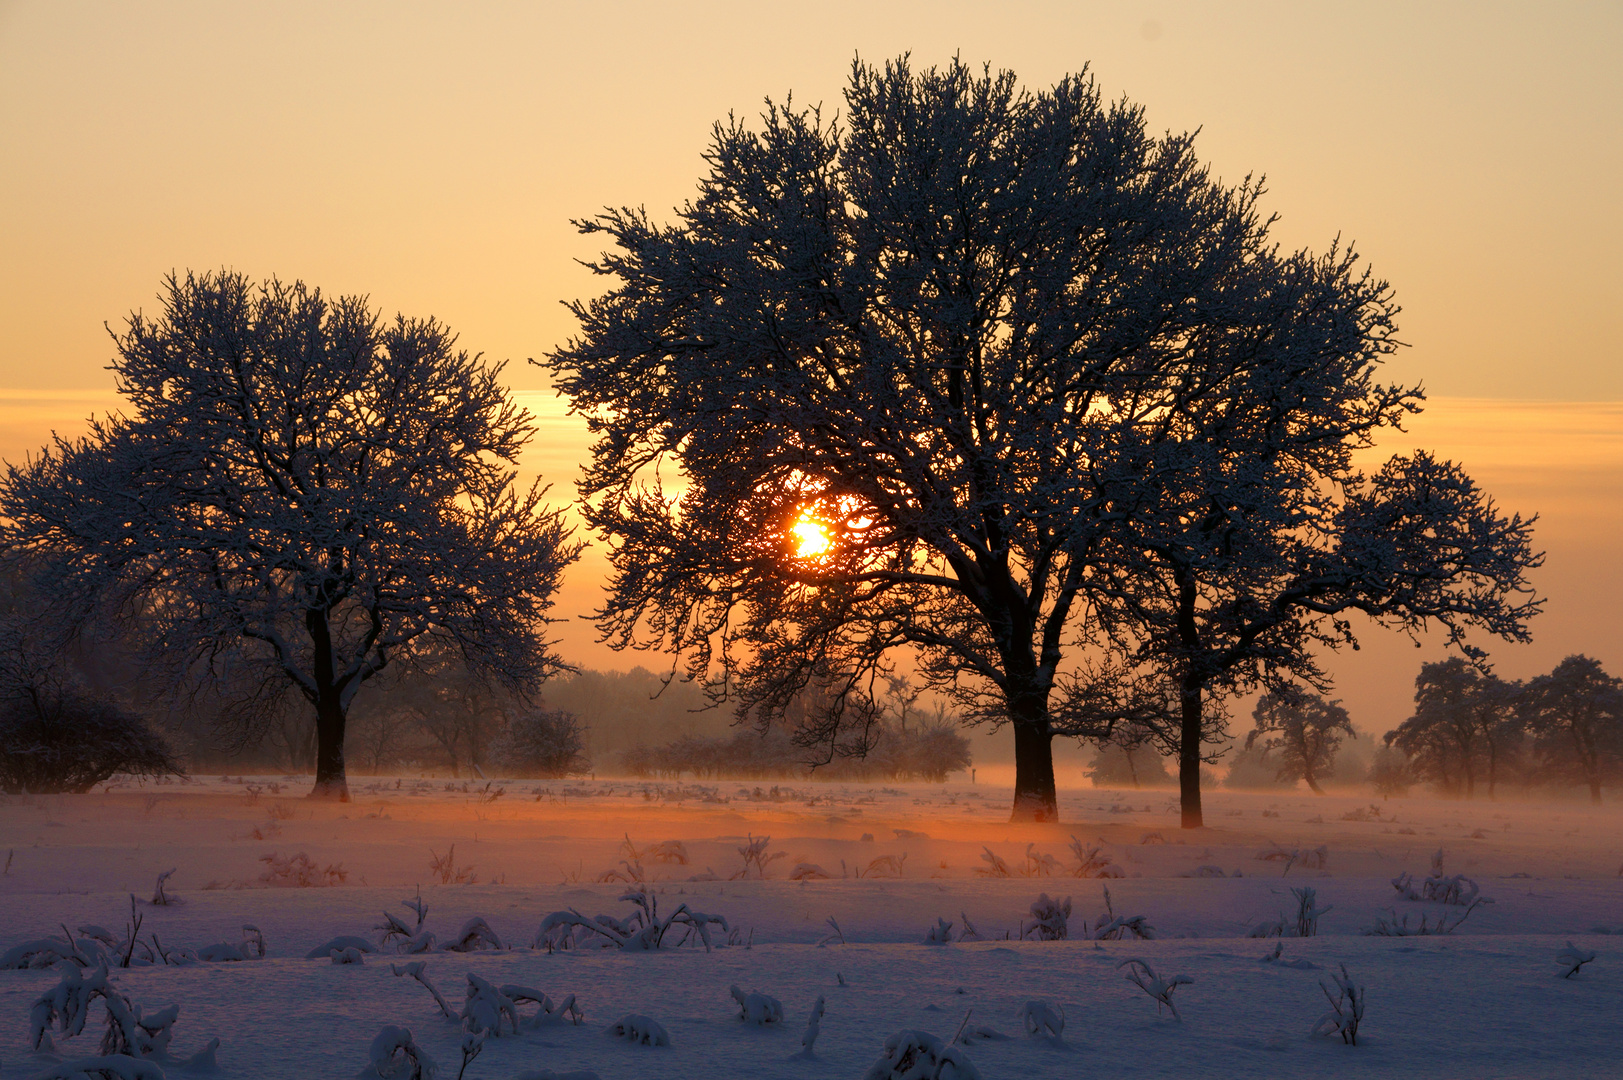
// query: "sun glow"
[[811, 538]]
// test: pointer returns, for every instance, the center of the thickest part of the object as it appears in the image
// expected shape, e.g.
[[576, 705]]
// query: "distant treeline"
[[925, 751]]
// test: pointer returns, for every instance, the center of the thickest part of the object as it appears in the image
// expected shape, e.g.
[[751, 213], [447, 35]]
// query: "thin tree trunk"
[[1189, 754], [1035, 798]]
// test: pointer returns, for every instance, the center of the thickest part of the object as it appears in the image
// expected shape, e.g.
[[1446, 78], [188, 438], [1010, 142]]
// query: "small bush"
[[62, 741], [543, 743]]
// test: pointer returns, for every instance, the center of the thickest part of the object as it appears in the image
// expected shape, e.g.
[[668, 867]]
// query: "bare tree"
[[1304, 729], [911, 372], [300, 488]]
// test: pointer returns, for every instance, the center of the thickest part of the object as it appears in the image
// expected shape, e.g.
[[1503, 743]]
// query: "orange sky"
[[431, 156]]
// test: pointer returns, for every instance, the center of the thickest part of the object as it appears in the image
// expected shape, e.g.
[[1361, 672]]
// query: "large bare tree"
[[300, 493], [949, 337]]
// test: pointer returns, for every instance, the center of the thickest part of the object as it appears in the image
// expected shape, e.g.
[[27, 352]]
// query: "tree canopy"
[[299, 495], [1049, 399]]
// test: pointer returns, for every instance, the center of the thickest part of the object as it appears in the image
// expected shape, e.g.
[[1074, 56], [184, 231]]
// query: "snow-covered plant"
[[807, 871], [1308, 911], [814, 1028], [417, 969], [1091, 861], [918, 1055], [1039, 863], [349, 955], [837, 935], [1346, 1008], [969, 933], [485, 1007], [1112, 927], [42, 953], [1041, 1019], [641, 931], [1049, 919], [341, 942], [1439, 888], [547, 1011], [1277, 957], [1572, 959], [969, 1035], [159, 897], [253, 942], [300, 871], [472, 1046], [756, 857], [640, 1030], [106, 1067], [395, 1055], [1390, 925], [444, 868], [886, 866], [940, 933], [475, 935], [755, 1008], [995, 866], [1144, 977]]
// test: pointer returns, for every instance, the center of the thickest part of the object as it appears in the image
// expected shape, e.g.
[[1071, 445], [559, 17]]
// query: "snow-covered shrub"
[[1572, 959], [1049, 919], [445, 869], [396, 1056], [886, 866], [1308, 911], [417, 969], [1144, 977], [1041, 1019], [758, 1009], [1307, 858], [1091, 861], [1040, 863], [940, 933], [472, 1046], [969, 933], [1112, 927], [485, 1007], [642, 930], [814, 1028], [640, 1030], [340, 943], [1440, 888], [42, 953], [918, 1055], [54, 738], [807, 871], [545, 743], [475, 935], [1346, 1009], [300, 872], [349, 955]]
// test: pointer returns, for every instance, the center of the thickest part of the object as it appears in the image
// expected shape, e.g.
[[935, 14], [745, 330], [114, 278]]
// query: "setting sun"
[[811, 538]]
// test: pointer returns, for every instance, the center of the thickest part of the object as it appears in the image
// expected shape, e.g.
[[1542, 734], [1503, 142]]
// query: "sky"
[[433, 155]]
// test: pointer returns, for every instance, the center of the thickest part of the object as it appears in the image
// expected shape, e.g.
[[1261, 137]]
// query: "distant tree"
[[542, 742], [1249, 771], [1128, 758], [1303, 731], [1466, 724], [913, 371], [1576, 713], [1389, 771], [304, 490]]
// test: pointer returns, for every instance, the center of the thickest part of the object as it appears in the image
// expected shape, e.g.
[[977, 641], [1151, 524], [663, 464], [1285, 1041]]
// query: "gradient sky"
[[431, 155]]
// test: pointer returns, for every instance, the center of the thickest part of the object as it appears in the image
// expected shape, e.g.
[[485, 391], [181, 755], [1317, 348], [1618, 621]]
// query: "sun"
[[811, 538]]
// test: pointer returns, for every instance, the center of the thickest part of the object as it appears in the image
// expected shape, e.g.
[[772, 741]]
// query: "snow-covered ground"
[[1485, 1000]]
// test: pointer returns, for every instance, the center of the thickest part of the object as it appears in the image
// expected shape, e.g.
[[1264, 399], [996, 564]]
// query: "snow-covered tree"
[[542, 742], [1303, 731], [1576, 712], [915, 375], [301, 489]]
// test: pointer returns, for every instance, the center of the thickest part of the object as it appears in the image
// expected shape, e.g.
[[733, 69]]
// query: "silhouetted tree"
[[542, 742], [1576, 712], [952, 336], [1466, 723], [1303, 731], [301, 489]]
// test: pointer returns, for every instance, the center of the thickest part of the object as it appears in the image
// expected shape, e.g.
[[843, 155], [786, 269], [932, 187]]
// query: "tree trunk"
[[1312, 782], [331, 782], [1189, 753], [1594, 789], [1035, 798]]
